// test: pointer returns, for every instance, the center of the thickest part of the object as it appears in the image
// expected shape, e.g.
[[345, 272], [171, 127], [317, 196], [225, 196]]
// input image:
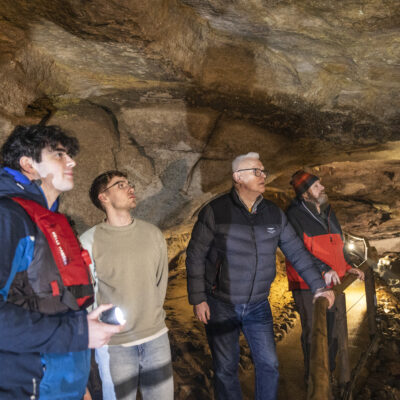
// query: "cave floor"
[[291, 385], [192, 359]]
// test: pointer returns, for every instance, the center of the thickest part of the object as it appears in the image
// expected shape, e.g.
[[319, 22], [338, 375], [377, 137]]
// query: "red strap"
[[55, 288], [86, 257]]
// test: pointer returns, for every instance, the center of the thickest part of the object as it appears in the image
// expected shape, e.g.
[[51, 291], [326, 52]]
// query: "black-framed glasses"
[[256, 171], [123, 185]]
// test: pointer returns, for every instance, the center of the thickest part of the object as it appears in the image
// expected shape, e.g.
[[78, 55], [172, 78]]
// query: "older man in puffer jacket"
[[230, 267]]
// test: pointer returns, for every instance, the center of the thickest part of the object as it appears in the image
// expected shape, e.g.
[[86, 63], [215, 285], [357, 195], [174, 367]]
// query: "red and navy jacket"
[[44, 343], [323, 238]]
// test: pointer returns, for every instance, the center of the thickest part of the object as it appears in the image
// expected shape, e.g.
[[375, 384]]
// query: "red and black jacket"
[[323, 238]]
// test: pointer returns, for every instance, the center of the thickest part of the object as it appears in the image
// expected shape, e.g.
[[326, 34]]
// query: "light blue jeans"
[[103, 361], [147, 366]]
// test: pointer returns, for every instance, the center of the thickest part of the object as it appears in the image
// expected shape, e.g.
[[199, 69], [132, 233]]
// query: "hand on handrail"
[[328, 294], [360, 274]]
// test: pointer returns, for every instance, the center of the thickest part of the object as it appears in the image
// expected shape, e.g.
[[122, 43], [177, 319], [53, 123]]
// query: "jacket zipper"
[[312, 215], [246, 213], [329, 225], [33, 397], [310, 212], [255, 268]]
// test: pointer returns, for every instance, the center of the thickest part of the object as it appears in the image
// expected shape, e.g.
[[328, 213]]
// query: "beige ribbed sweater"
[[131, 271]]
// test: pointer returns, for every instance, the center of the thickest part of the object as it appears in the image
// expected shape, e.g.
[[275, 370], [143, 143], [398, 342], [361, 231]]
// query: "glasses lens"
[[126, 185], [258, 172]]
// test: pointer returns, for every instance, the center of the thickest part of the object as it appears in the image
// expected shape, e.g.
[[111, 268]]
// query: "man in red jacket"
[[315, 222]]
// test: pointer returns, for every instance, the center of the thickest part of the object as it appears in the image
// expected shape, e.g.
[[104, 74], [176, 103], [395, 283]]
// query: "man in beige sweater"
[[130, 267]]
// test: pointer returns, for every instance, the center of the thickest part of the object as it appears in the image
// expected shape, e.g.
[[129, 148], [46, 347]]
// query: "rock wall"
[[172, 90]]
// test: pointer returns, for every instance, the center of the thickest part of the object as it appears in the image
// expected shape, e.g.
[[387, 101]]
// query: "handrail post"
[[343, 342], [370, 296], [318, 381]]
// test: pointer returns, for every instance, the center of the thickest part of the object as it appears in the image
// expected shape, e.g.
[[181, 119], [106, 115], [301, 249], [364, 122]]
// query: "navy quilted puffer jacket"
[[232, 252]]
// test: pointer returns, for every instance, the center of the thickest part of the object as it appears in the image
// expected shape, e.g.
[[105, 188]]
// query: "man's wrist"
[[321, 290]]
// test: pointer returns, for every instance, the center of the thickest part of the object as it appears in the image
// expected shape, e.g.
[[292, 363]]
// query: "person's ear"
[[236, 177], [26, 164], [102, 198]]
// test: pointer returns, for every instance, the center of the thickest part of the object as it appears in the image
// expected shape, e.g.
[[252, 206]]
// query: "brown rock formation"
[[172, 90]]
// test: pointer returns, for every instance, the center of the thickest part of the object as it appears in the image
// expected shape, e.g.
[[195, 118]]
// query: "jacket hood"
[[15, 184]]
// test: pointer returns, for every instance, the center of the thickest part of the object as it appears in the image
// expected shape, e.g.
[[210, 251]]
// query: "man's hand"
[[328, 294], [202, 312], [358, 272], [331, 278], [99, 332]]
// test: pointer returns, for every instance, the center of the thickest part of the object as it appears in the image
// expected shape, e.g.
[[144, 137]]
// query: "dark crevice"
[[295, 118], [114, 119], [142, 152], [174, 263], [117, 133], [353, 199], [389, 174], [42, 108], [209, 137]]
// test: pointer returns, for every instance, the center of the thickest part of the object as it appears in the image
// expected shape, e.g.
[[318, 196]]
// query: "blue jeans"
[[146, 366], [223, 329]]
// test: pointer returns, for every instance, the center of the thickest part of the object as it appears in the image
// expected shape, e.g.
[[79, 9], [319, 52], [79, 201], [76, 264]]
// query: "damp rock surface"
[[171, 91], [380, 379]]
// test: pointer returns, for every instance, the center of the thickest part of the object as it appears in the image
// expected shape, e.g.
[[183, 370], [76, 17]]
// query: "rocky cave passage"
[[171, 90]]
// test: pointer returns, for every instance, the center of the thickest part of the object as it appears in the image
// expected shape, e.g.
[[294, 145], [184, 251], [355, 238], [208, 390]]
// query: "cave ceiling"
[[172, 90]]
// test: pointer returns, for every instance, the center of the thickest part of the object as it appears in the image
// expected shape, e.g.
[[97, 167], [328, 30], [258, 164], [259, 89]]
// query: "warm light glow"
[[356, 249], [384, 262]]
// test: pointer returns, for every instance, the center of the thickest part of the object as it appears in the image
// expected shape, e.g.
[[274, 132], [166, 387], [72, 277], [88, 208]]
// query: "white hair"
[[238, 160]]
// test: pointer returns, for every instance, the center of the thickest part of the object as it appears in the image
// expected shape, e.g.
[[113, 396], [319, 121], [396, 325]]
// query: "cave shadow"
[[163, 208]]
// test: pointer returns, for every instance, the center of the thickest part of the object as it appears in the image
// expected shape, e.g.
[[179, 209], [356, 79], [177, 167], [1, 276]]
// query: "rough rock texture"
[[380, 378], [172, 90]]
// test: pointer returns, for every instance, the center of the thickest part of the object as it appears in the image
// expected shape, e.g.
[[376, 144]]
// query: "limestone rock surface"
[[172, 90]]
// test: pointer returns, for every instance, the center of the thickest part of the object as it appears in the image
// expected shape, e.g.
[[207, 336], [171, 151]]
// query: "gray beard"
[[320, 200]]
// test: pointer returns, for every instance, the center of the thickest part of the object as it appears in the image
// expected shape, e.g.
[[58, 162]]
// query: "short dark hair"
[[30, 140], [100, 183]]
